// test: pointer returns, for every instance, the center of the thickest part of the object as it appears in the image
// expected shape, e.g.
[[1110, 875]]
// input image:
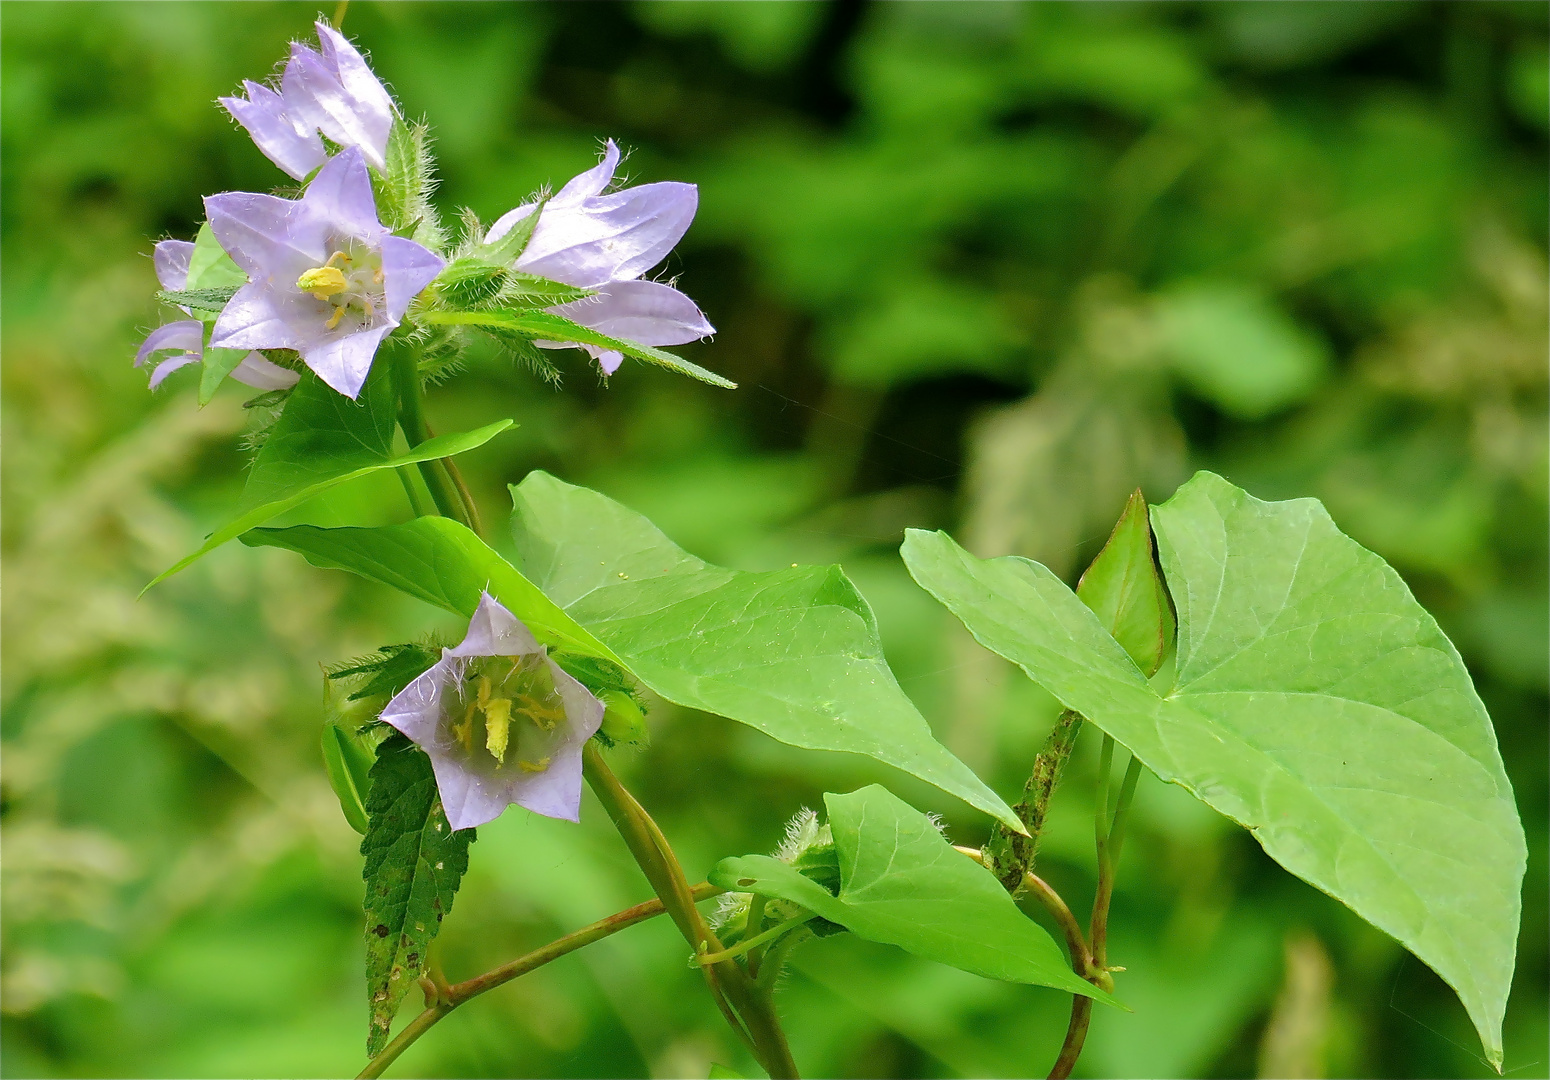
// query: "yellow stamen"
[[323, 281], [534, 766], [544, 715], [497, 727], [463, 730], [333, 320]]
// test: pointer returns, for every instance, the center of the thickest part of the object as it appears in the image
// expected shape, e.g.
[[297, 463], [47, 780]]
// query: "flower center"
[[350, 282], [510, 706]]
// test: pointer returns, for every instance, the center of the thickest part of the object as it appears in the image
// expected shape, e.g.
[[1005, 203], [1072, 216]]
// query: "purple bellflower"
[[502, 723], [332, 91], [325, 277], [185, 338], [606, 242]]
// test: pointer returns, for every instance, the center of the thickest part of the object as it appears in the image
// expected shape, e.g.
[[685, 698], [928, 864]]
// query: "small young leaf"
[[547, 326], [541, 292], [1125, 590], [469, 283], [321, 440], [901, 883], [1315, 703], [404, 188], [414, 863]]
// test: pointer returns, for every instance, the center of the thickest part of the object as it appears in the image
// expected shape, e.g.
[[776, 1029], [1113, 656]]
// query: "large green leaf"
[[901, 883], [442, 563], [414, 863], [1315, 702], [324, 439], [547, 326], [793, 653]]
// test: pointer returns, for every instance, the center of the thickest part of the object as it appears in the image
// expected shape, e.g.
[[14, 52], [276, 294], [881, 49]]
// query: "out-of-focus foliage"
[[977, 266]]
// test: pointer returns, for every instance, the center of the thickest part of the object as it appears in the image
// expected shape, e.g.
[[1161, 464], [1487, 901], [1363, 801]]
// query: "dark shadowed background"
[[984, 267]]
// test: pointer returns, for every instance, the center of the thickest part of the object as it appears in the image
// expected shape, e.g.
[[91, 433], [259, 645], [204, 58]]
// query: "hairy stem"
[[749, 1012], [1009, 855], [450, 997], [757, 940]]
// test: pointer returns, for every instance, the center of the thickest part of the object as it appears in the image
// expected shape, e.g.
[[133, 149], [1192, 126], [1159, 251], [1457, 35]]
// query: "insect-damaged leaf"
[[414, 863]]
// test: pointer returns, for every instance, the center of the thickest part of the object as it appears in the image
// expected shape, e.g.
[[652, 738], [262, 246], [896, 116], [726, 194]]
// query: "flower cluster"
[[324, 278]]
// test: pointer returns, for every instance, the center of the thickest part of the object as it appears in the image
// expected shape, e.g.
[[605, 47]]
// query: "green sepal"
[[547, 326], [1125, 589], [540, 292], [404, 186], [504, 251], [623, 721], [390, 670], [205, 303], [414, 864], [349, 751], [216, 365], [469, 282]]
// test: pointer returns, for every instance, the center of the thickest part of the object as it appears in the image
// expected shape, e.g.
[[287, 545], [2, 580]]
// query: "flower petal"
[[494, 631], [294, 148], [341, 195], [342, 362], [373, 106], [271, 239], [612, 238], [316, 94], [186, 335], [645, 311], [261, 316], [172, 259], [261, 373], [585, 185], [171, 364], [407, 268]]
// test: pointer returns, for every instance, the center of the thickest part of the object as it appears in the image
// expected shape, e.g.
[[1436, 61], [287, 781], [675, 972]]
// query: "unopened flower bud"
[[623, 722]]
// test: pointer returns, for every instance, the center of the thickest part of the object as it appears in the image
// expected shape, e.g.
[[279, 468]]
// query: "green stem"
[[1008, 854], [758, 939], [1076, 1036], [749, 1013], [411, 418], [450, 997], [753, 923], [416, 500], [1127, 791]]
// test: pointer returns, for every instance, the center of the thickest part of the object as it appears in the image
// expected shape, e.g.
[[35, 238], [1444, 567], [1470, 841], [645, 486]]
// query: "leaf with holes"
[[414, 864]]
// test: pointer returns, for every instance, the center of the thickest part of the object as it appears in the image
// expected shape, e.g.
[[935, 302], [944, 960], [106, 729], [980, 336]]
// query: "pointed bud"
[[623, 722], [1125, 588]]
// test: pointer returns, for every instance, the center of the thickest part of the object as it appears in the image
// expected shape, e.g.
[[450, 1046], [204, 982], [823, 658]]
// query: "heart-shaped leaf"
[[1314, 702]]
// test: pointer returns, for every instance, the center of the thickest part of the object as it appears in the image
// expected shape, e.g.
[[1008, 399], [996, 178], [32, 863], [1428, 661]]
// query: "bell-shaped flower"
[[285, 140], [329, 89], [325, 277], [501, 722], [185, 338], [607, 242]]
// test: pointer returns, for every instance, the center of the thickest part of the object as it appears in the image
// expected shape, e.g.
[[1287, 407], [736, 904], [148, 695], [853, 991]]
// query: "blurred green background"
[[977, 266]]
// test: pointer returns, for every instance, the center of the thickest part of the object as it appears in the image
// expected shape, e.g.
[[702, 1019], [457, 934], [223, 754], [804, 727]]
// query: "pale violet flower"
[[606, 242], [501, 722], [185, 338], [325, 277], [330, 89]]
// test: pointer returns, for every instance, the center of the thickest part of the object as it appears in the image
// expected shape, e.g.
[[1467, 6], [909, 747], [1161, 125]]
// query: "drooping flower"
[[332, 91], [185, 338], [325, 277], [501, 722], [606, 242]]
